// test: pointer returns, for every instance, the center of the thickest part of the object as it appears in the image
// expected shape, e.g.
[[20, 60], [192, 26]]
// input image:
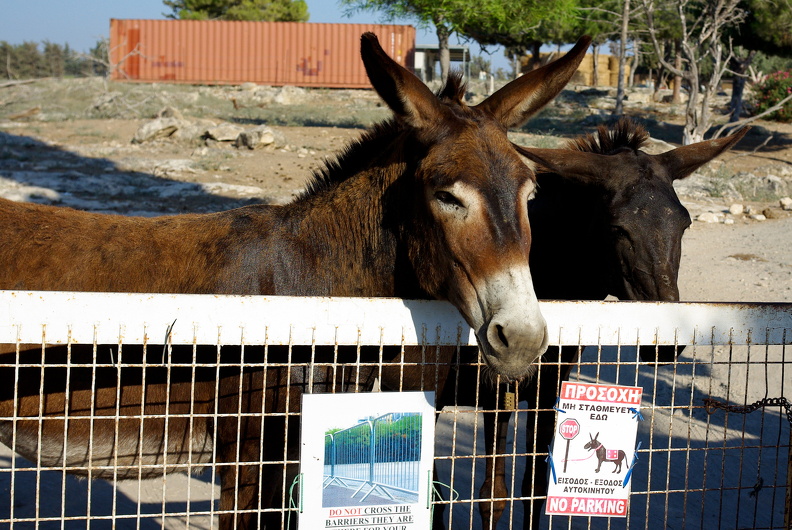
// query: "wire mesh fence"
[[173, 405]]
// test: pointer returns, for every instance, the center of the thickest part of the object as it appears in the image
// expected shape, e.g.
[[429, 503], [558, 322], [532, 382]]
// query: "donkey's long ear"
[[517, 101], [402, 91], [578, 166], [683, 161]]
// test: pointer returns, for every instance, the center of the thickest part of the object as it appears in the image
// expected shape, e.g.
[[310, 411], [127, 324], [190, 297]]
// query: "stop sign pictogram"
[[569, 428]]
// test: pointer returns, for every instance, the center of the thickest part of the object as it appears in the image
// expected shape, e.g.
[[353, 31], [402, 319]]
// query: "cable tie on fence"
[[636, 413], [632, 465], [549, 460], [436, 494], [168, 332], [756, 487], [298, 481], [555, 407]]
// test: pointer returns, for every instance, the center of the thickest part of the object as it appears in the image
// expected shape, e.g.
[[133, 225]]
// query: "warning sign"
[[593, 453], [366, 461]]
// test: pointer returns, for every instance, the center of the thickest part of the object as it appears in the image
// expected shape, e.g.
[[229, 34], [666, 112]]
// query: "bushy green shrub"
[[770, 91]]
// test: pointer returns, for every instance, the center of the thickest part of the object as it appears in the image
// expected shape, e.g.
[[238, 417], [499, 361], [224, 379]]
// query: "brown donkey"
[[430, 204]]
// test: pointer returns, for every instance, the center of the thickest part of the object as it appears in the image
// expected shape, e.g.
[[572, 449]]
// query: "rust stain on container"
[[267, 53]]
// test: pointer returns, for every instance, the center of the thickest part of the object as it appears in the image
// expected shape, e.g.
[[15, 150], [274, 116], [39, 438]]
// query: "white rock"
[[232, 190], [159, 128], [736, 209], [173, 166], [260, 136], [170, 112], [225, 132], [758, 217], [728, 221], [786, 203], [708, 217], [642, 97], [290, 95], [21, 193]]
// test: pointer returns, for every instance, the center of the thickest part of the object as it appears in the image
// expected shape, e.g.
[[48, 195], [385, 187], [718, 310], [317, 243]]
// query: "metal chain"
[[712, 404]]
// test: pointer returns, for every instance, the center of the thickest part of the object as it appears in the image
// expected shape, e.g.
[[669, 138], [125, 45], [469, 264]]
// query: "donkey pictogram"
[[616, 456]]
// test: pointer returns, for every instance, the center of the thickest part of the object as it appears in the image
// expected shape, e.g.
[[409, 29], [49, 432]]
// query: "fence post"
[[332, 455], [788, 504], [372, 454]]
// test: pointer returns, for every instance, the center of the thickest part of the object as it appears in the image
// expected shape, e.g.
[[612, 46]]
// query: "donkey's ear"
[[513, 104], [683, 161], [402, 91], [578, 166]]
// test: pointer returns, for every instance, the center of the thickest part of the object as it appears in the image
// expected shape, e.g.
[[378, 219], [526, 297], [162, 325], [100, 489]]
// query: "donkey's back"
[[52, 248]]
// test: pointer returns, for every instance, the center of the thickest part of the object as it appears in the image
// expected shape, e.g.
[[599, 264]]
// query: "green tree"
[[73, 64], [493, 22], [426, 13], [99, 58], [7, 60], [28, 61], [519, 26], [767, 29], [479, 64], [255, 10], [600, 20], [53, 59]]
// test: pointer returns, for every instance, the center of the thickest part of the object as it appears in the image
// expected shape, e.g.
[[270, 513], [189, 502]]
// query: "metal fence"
[[699, 465], [380, 455]]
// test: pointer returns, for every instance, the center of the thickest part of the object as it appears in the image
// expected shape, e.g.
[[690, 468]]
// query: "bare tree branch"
[[14, 83], [745, 121], [754, 151], [701, 37]]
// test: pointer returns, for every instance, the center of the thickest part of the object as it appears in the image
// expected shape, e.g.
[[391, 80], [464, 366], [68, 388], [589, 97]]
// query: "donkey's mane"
[[361, 153], [607, 140], [353, 158], [454, 89]]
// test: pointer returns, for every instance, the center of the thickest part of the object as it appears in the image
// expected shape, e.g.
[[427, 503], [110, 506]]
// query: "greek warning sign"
[[594, 449]]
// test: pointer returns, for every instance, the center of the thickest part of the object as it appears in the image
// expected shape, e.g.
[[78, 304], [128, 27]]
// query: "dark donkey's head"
[[465, 233], [616, 205], [593, 444]]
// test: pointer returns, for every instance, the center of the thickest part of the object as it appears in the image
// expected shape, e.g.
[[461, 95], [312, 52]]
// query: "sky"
[[81, 23]]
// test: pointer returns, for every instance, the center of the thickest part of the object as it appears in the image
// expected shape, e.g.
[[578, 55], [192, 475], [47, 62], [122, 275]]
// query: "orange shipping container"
[[267, 53]]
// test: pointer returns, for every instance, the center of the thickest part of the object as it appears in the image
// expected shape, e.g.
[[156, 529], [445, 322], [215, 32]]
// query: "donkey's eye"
[[448, 199], [621, 234], [619, 231], [532, 195]]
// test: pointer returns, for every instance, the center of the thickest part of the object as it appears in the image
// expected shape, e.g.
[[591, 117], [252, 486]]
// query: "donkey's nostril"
[[502, 335]]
